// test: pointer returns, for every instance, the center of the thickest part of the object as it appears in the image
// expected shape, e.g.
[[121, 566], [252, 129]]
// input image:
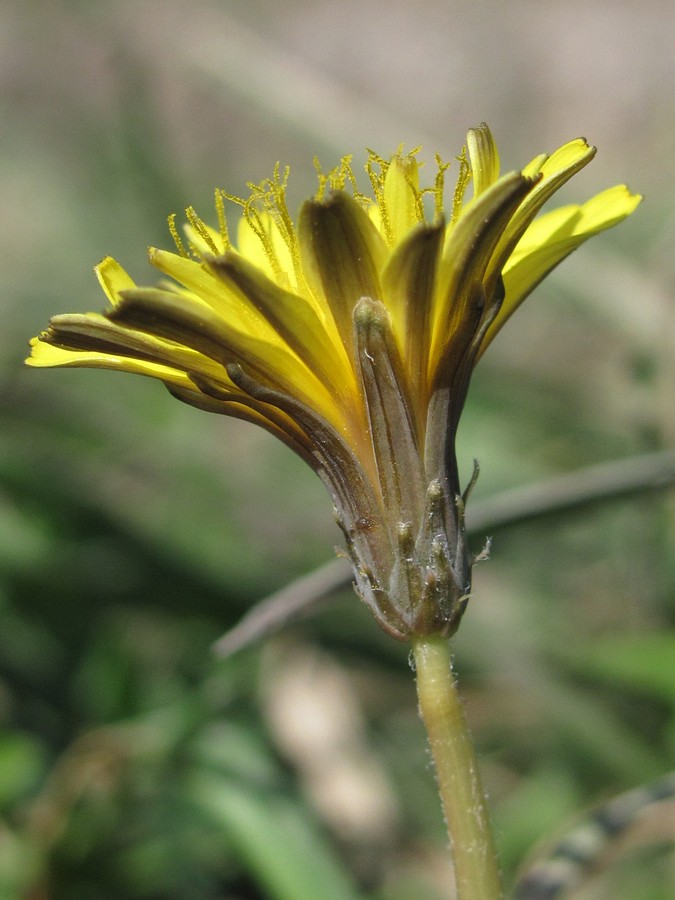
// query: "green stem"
[[464, 804]]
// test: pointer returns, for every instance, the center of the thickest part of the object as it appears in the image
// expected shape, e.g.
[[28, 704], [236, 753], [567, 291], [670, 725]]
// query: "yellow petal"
[[295, 318], [47, 356], [554, 171], [606, 209], [189, 322], [563, 229], [551, 238], [558, 168], [402, 203], [572, 155], [93, 333], [261, 242], [204, 241], [534, 166], [201, 283], [484, 158], [113, 279], [465, 259]]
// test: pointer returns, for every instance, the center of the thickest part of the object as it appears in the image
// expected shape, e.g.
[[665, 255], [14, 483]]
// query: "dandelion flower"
[[351, 335]]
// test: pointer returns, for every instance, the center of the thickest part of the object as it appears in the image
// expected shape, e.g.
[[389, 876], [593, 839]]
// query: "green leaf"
[[22, 763], [20, 865], [282, 849], [644, 661]]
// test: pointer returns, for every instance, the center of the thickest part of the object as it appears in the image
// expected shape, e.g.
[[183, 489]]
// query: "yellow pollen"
[[337, 178], [222, 219], [417, 194], [176, 237], [201, 229], [269, 198], [439, 186], [343, 174], [254, 219], [377, 182], [321, 178], [463, 180]]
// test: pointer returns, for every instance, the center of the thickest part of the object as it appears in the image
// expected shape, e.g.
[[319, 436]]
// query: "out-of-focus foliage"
[[134, 531]]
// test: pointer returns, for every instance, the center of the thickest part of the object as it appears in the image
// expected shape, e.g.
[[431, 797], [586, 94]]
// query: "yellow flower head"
[[352, 335]]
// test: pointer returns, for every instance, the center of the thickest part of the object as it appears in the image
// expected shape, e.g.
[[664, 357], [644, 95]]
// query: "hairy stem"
[[464, 805]]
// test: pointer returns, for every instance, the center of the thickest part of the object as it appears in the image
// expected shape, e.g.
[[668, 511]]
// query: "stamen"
[[254, 219], [275, 204], [201, 229], [336, 178], [463, 180], [222, 220], [176, 237], [346, 173], [377, 182], [414, 189], [321, 178], [271, 195], [439, 187]]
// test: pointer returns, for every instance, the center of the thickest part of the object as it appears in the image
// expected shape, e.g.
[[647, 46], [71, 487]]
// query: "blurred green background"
[[134, 530]]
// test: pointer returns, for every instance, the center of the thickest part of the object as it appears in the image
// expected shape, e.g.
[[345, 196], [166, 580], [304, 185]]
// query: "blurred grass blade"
[[278, 844], [643, 662]]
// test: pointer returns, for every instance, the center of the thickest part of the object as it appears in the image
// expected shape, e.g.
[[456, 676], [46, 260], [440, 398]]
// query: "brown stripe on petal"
[[293, 318], [409, 284], [464, 371], [242, 405], [465, 259], [466, 316], [449, 393], [194, 324], [229, 406], [448, 400], [329, 447], [342, 254], [98, 334]]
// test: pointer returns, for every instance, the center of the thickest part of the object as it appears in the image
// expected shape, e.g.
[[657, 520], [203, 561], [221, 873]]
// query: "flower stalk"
[[465, 808]]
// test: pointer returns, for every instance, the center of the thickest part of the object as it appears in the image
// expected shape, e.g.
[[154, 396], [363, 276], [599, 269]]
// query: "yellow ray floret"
[[277, 309]]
